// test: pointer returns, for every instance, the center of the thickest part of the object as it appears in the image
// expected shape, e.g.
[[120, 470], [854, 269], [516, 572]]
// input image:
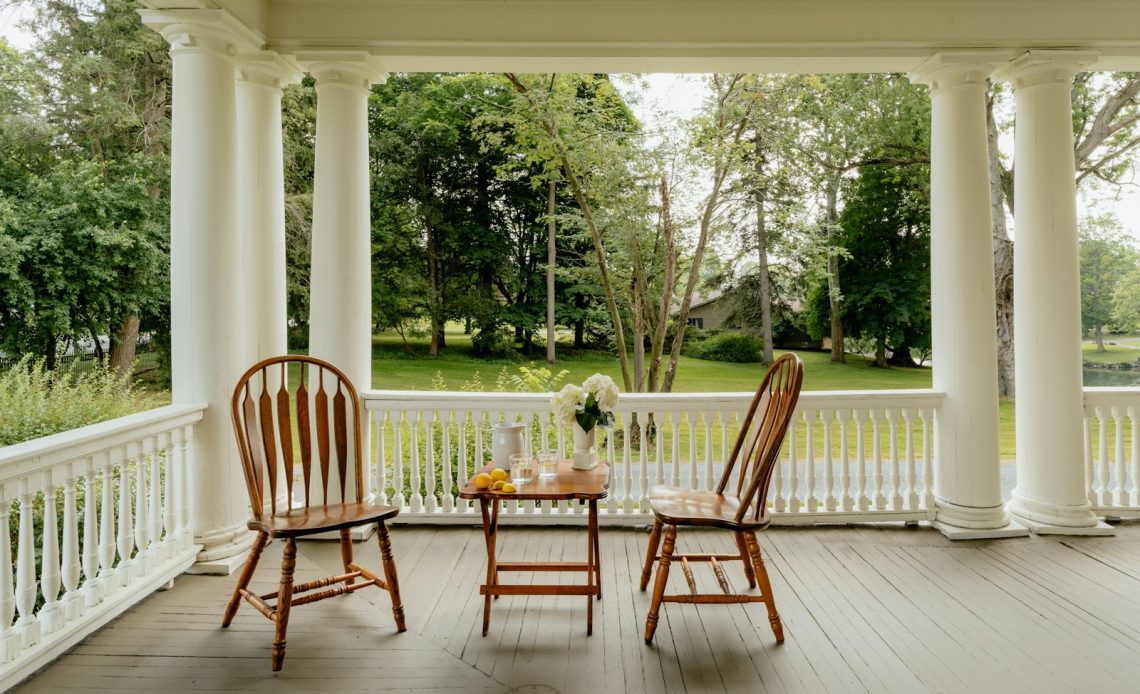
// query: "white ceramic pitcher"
[[506, 440]]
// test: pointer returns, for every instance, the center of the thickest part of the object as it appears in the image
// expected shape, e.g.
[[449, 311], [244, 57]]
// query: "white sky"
[[667, 98]]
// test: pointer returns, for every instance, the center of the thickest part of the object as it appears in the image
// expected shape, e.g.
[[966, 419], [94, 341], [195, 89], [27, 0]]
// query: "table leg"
[[591, 559], [490, 510], [597, 556]]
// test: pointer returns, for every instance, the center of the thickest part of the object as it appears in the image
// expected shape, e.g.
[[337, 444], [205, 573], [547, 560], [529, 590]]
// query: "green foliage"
[[735, 347], [531, 380], [38, 402], [1109, 264]]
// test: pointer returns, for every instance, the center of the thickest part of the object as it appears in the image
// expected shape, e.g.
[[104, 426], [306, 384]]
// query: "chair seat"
[[677, 506], [316, 519]]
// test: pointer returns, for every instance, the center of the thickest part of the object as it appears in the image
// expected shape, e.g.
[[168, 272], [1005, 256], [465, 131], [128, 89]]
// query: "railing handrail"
[[1111, 396], [816, 399], [42, 454]]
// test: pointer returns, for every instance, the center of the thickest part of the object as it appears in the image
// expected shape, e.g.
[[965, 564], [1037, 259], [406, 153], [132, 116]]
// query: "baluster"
[[27, 625], [862, 502], [429, 464], [91, 584], [49, 559], [643, 459], [461, 462], [707, 419], [168, 521], [417, 503], [398, 461], [896, 478], [107, 530], [126, 568], [828, 462], [690, 416], [793, 468], [725, 423], [142, 453], [448, 498], [627, 462], [613, 503], [72, 603], [1102, 457], [779, 503], [675, 455], [9, 637], [185, 487], [1090, 477], [154, 512], [877, 452], [655, 429], [846, 501], [1121, 491], [1135, 456], [927, 458], [380, 417], [809, 459], [911, 477]]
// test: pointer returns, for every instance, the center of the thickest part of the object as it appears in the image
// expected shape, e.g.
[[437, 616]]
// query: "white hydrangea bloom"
[[567, 402], [604, 389]]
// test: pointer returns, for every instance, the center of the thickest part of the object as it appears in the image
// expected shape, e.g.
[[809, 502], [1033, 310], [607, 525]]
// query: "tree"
[[1107, 256], [885, 228]]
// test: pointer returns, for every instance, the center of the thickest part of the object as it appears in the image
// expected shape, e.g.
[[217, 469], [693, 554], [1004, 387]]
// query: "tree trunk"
[[98, 345], [669, 285], [50, 353], [833, 291], [551, 260], [760, 194], [1098, 333], [1003, 259], [638, 336], [881, 353], [580, 333], [124, 346], [433, 292], [900, 356]]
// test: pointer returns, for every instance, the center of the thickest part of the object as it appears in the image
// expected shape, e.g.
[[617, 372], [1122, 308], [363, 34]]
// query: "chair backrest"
[[282, 406], [762, 434]]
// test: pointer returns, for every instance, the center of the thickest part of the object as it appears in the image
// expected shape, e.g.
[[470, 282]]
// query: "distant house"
[[709, 311]]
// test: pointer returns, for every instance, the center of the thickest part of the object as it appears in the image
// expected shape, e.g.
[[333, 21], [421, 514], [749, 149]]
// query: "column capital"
[[267, 68], [343, 68], [1037, 67], [202, 30], [957, 69]]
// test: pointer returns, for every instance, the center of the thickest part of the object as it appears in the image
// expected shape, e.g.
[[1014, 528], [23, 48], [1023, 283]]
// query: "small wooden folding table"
[[585, 486]]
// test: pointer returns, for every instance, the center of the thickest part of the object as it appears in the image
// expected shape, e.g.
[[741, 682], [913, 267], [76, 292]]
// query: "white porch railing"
[[101, 513], [850, 455], [1112, 472]]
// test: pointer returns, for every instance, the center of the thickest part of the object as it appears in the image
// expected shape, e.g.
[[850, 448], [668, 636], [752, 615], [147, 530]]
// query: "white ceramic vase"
[[585, 453]]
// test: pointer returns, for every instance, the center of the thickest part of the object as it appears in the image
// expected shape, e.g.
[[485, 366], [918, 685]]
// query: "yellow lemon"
[[483, 480], [498, 474], [509, 488], [498, 485]]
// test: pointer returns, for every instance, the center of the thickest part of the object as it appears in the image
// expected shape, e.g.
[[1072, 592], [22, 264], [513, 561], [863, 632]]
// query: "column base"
[[1099, 530], [953, 532], [1045, 518], [223, 550]]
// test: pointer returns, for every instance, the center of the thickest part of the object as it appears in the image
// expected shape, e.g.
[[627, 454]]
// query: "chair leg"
[[748, 572], [651, 554], [765, 585], [659, 586], [284, 601], [346, 552], [390, 575], [244, 577]]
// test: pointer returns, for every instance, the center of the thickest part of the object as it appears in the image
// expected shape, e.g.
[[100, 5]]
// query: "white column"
[[967, 476], [340, 284], [1050, 494], [261, 177], [209, 350]]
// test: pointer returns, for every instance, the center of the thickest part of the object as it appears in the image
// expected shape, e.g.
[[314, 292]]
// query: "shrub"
[[733, 347], [38, 402]]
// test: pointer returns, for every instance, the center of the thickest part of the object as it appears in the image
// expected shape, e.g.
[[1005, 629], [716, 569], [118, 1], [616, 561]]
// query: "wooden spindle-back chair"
[[281, 407], [741, 507]]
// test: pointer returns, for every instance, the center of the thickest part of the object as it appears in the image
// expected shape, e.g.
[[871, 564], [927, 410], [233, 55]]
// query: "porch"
[[865, 609]]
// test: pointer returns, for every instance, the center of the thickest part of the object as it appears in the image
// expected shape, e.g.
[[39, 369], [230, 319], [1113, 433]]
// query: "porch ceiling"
[[686, 35]]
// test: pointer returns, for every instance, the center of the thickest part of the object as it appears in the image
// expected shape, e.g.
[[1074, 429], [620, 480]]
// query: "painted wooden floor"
[[864, 609]]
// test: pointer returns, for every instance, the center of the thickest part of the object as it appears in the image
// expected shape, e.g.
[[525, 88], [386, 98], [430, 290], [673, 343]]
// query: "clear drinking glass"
[[522, 469], [547, 465]]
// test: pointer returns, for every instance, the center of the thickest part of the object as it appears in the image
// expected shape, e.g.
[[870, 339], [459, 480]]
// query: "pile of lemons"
[[496, 481]]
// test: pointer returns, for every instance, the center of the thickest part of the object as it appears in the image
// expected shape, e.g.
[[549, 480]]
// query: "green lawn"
[[1113, 354]]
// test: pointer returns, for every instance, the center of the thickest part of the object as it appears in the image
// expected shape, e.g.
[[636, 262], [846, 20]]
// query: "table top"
[[570, 484]]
